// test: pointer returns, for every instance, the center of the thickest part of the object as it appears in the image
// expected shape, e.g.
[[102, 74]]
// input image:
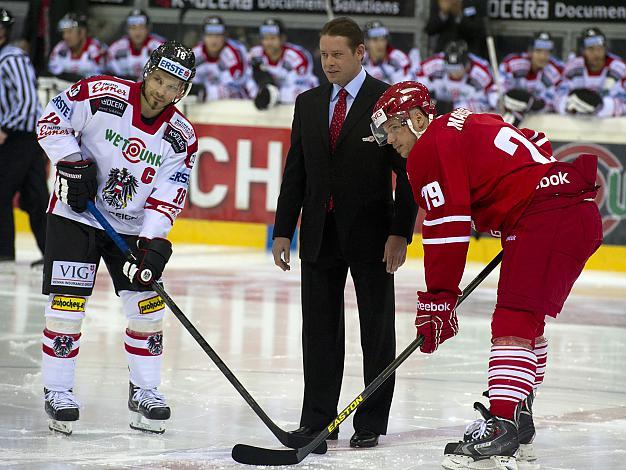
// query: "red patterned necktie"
[[339, 114]]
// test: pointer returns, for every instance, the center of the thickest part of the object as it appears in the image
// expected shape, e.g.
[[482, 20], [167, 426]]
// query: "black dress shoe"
[[308, 431], [364, 438]]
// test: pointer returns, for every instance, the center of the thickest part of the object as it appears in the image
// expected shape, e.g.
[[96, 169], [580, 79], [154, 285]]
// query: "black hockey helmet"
[[73, 20], [272, 27], [592, 37], [6, 18], [214, 25], [177, 60], [375, 29], [137, 16], [456, 55], [542, 40]]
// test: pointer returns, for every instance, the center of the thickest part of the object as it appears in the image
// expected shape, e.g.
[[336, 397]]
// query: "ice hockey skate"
[[488, 444], [526, 426], [148, 409], [62, 410]]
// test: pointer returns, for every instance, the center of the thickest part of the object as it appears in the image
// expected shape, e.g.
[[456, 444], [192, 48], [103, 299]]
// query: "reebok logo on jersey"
[[174, 68], [133, 149], [151, 305], [553, 180], [68, 304], [433, 307]]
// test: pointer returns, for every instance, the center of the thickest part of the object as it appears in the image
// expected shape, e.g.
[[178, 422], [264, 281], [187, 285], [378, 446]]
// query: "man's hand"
[[280, 249], [436, 319], [3, 136], [395, 253], [76, 183], [152, 256]]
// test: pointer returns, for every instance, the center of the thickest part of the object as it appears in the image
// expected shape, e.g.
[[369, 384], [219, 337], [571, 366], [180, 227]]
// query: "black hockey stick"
[[287, 439], [252, 455]]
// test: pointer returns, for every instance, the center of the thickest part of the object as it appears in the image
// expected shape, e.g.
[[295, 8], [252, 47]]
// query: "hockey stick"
[[287, 439], [252, 455]]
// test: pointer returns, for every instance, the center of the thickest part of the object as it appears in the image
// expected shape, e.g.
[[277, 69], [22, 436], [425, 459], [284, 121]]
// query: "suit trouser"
[[23, 170], [323, 334]]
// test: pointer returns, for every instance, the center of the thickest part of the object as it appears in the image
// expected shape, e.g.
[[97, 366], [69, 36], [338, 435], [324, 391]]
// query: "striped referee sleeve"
[[19, 103]]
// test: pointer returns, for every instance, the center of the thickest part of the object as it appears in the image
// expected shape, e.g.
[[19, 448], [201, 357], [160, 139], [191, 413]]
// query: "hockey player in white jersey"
[[280, 70], [382, 60], [593, 83], [126, 145], [127, 56]]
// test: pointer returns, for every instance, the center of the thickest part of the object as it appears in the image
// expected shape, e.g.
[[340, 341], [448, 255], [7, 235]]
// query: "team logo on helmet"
[[119, 188], [155, 344], [62, 345]]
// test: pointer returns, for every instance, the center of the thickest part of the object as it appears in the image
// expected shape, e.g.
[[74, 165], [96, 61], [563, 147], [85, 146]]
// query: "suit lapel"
[[363, 103], [324, 99]]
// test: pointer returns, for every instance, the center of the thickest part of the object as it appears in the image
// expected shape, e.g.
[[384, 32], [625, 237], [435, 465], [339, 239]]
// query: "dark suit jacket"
[[358, 176]]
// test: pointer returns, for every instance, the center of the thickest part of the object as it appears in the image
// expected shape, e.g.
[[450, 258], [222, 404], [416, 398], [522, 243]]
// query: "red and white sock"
[[144, 354], [58, 364], [541, 351], [512, 372]]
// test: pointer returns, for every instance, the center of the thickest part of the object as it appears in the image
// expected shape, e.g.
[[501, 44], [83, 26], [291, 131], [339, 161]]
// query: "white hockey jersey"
[[472, 91], [224, 76], [123, 60], [415, 57], [89, 62], [143, 169], [394, 68], [609, 83], [515, 72], [292, 72]]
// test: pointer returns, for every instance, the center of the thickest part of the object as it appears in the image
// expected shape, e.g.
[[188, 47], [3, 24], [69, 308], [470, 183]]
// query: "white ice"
[[249, 312]]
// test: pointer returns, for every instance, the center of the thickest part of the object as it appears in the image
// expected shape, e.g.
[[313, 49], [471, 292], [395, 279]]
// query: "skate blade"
[[141, 423], [63, 427], [464, 462], [526, 453]]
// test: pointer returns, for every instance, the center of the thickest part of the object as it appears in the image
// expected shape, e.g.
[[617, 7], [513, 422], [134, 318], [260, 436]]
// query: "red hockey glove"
[[436, 319]]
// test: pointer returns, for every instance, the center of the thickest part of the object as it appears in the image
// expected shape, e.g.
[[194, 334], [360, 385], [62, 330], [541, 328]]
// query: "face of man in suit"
[[339, 62], [403, 136]]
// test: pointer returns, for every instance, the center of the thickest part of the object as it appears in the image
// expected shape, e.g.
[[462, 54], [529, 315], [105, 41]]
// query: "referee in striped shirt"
[[22, 161]]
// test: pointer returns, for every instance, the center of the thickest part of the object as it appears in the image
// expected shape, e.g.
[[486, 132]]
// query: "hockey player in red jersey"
[[126, 145], [466, 167]]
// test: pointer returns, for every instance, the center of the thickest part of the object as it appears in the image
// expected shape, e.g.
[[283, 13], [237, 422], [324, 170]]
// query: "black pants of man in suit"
[[323, 334]]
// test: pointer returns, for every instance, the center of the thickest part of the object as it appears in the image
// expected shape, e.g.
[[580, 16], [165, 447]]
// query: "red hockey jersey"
[[471, 167]]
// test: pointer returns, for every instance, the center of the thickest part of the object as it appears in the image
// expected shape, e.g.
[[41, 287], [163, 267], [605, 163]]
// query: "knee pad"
[[144, 310], [65, 308], [514, 325]]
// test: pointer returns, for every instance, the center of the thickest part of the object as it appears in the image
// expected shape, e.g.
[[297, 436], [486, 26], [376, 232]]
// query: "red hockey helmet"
[[396, 103]]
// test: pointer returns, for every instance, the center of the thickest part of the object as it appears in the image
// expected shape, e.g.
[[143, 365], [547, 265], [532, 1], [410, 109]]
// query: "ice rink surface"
[[249, 312]]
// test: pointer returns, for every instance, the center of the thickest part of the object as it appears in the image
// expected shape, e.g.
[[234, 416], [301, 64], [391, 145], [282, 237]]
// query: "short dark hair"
[[346, 27]]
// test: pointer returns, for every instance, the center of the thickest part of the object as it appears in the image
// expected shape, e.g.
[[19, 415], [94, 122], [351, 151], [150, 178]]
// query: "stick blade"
[[251, 455], [297, 442]]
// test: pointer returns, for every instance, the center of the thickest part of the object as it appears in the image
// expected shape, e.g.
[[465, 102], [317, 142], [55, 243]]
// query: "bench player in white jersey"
[[530, 79], [134, 156], [457, 78], [77, 55], [383, 61], [280, 70], [221, 63], [593, 83], [128, 55]]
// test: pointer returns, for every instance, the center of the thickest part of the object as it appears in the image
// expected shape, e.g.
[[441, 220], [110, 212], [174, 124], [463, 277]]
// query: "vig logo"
[[611, 177]]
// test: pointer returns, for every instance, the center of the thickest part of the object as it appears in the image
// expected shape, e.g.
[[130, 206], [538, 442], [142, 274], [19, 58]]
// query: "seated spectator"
[[221, 63], [280, 70], [78, 55], [529, 79], [128, 55], [382, 61], [458, 79], [452, 20], [593, 83]]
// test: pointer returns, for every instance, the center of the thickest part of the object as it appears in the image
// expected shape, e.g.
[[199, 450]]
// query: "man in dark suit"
[[341, 180]]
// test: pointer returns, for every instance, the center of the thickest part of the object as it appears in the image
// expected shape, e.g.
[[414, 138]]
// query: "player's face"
[[272, 44], [539, 58], [137, 33], [377, 48], [595, 56], [160, 89], [74, 37], [339, 62], [399, 136], [214, 43]]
